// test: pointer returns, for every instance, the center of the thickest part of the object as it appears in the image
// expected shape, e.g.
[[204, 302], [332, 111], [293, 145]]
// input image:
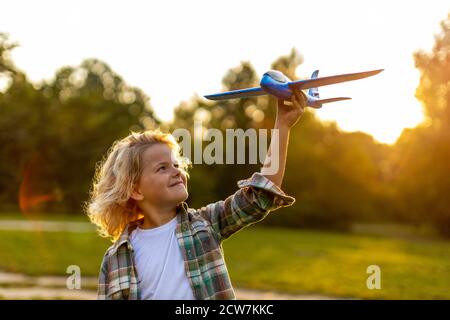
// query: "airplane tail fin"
[[314, 92]]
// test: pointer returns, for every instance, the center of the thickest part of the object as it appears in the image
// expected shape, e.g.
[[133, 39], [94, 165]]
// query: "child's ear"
[[137, 194]]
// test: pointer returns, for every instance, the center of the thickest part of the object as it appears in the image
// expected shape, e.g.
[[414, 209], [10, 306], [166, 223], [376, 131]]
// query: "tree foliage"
[[422, 158], [53, 133]]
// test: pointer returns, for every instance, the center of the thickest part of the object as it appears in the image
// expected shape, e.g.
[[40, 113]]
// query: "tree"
[[423, 154], [53, 134]]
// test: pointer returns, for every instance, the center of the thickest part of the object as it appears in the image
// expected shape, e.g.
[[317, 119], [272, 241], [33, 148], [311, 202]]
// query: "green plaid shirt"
[[199, 234]]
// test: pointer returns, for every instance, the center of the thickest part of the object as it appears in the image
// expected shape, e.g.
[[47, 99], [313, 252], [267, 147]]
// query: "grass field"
[[293, 261]]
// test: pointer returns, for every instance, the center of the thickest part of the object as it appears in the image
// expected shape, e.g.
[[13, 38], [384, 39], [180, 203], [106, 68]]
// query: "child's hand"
[[288, 115]]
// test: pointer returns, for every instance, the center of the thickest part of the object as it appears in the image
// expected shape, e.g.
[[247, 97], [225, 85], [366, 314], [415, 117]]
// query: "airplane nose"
[[276, 88]]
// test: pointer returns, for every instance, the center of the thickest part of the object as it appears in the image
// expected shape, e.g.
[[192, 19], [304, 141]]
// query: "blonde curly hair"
[[110, 206]]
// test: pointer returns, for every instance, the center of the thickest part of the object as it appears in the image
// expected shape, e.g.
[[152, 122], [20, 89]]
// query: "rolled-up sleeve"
[[256, 197]]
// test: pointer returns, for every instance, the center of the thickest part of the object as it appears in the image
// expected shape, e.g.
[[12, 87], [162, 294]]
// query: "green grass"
[[44, 216], [335, 264], [293, 261], [50, 253]]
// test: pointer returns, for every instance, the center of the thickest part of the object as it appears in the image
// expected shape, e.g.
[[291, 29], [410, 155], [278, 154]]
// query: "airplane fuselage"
[[277, 87], [277, 84]]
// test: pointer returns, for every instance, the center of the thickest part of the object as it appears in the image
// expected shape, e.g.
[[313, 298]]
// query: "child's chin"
[[186, 195], [182, 195]]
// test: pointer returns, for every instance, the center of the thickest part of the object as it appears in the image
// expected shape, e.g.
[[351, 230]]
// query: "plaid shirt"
[[199, 234]]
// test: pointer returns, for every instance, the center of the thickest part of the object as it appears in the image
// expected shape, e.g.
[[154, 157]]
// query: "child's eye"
[[162, 168], [176, 165]]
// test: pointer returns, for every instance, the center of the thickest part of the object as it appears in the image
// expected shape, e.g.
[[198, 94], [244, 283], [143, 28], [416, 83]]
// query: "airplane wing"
[[324, 81], [250, 92]]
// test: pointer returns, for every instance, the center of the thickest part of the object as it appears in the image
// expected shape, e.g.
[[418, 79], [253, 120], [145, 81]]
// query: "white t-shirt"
[[160, 264]]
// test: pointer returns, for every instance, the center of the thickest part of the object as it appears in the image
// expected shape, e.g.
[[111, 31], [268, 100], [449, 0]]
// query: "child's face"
[[162, 183]]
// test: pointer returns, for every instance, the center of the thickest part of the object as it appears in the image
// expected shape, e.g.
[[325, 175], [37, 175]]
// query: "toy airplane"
[[277, 84]]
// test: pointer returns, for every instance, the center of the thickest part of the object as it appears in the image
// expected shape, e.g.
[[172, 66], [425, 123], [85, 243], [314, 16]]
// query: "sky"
[[201, 39]]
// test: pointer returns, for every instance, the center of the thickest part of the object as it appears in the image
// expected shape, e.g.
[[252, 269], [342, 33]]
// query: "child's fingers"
[[296, 98], [293, 98], [299, 98]]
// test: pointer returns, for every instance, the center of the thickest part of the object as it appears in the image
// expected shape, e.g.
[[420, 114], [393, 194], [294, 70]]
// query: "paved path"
[[19, 286]]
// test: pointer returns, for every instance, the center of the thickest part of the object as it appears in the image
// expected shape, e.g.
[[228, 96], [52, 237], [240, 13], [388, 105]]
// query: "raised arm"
[[287, 117], [261, 193]]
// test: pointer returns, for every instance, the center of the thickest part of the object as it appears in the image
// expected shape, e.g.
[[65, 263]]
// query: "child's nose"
[[177, 171]]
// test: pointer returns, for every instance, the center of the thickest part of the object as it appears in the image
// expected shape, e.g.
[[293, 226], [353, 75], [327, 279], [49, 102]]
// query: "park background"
[[360, 202]]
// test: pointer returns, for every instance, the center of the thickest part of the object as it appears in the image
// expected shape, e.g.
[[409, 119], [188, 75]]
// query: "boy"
[[163, 249]]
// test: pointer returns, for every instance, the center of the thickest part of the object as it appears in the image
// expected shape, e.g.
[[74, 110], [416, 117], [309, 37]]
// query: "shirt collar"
[[125, 235]]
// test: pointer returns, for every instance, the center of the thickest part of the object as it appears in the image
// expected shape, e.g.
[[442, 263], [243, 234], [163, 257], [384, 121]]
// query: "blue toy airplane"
[[277, 84]]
